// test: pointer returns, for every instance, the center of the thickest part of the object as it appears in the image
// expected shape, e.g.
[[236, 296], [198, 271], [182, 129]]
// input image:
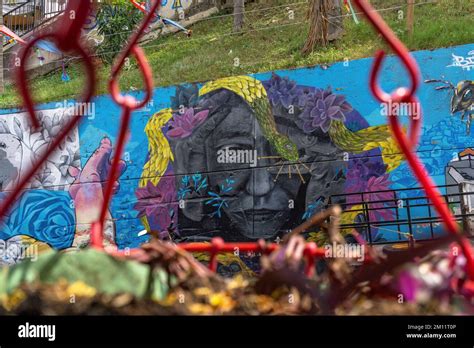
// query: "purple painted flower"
[[282, 91], [151, 199], [361, 169], [182, 125], [158, 203], [321, 108], [376, 200]]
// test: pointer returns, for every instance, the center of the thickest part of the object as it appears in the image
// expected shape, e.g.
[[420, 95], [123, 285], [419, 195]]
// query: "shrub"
[[116, 20]]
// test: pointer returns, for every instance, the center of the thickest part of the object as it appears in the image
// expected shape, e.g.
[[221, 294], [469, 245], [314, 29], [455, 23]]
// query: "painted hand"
[[87, 192]]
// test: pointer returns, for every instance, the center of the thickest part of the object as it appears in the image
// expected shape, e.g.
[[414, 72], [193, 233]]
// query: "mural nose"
[[260, 182]]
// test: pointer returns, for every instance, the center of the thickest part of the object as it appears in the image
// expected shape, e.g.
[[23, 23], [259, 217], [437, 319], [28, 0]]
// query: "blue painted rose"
[[43, 215]]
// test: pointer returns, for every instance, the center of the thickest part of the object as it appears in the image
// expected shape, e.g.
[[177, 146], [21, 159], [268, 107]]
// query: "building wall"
[[241, 158]]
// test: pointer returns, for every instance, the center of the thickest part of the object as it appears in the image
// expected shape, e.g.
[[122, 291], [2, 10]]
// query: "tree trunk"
[[336, 26], [318, 14], [1, 50], [239, 8]]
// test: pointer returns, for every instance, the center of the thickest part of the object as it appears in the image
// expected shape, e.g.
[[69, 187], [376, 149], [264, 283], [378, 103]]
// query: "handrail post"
[[410, 227], [367, 219]]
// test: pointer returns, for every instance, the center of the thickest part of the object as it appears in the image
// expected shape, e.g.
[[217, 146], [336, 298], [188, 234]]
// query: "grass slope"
[[271, 40]]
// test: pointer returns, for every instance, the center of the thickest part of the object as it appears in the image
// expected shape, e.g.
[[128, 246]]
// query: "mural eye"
[[3, 145]]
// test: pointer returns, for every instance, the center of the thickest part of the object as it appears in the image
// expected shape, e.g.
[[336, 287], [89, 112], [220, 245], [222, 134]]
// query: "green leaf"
[[105, 273]]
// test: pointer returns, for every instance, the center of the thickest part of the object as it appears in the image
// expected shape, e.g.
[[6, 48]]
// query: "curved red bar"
[[128, 105], [407, 144], [67, 27]]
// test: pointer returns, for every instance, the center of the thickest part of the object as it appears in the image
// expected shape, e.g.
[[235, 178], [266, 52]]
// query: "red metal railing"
[[217, 246]]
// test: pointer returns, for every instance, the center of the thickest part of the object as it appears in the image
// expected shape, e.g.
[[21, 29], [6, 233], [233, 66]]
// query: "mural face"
[[252, 160], [232, 148], [242, 158]]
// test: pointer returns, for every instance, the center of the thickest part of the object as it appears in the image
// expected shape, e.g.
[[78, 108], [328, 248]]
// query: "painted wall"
[[241, 158]]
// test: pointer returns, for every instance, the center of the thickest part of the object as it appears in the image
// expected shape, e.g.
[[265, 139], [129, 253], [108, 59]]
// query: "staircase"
[[24, 16]]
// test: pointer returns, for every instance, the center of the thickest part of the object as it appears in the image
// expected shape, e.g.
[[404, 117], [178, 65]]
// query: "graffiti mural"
[[20, 146], [57, 207], [462, 100], [243, 158], [464, 62]]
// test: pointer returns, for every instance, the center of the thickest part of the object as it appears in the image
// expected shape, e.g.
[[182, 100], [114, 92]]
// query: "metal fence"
[[22, 17], [403, 213]]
